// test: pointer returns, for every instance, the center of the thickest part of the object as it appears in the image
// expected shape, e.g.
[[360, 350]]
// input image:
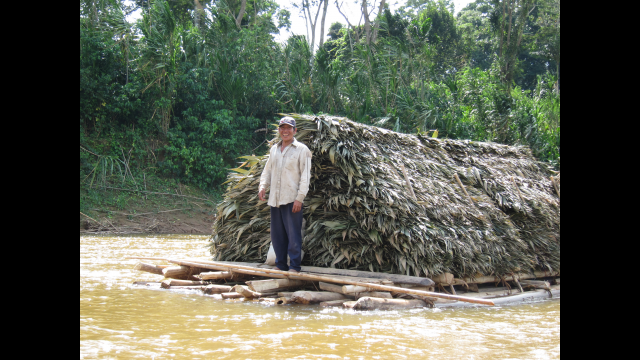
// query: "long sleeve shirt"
[[288, 173]]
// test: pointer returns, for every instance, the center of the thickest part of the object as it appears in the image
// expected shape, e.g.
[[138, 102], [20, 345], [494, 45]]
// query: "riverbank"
[[165, 207]]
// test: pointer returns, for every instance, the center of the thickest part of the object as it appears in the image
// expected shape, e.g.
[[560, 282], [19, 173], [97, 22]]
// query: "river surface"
[[120, 320]]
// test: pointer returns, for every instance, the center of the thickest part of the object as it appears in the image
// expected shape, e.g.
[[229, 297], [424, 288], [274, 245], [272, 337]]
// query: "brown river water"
[[120, 320]]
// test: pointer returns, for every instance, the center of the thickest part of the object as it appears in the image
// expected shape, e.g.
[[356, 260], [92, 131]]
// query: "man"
[[287, 172]]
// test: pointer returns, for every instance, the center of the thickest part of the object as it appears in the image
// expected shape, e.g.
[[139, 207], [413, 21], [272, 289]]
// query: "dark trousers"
[[286, 236]]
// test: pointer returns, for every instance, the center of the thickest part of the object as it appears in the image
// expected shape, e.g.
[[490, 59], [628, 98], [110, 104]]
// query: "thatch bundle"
[[479, 208]]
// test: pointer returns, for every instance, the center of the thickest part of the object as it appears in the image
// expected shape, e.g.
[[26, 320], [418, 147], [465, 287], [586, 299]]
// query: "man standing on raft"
[[288, 173]]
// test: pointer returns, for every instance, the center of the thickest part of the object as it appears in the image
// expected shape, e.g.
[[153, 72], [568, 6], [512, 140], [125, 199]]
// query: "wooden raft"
[[360, 290]]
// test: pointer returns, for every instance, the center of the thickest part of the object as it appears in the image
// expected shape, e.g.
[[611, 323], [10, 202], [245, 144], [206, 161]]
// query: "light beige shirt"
[[288, 173]]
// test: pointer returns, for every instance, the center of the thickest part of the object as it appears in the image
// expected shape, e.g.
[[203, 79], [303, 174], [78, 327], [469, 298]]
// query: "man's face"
[[286, 132]]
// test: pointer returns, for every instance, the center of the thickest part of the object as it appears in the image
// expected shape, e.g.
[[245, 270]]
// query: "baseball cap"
[[287, 120]]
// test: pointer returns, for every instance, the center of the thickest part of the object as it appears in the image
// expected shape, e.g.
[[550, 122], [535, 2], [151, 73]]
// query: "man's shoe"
[[294, 271]]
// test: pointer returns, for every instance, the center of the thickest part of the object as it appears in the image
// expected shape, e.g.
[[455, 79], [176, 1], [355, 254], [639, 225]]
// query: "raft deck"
[[356, 289]]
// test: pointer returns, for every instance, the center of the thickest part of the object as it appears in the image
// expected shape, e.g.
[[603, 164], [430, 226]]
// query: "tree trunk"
[[313, 23], [367, 22], [350, 27], [376, 26], [198, 14], [324, 15], [243, 6]]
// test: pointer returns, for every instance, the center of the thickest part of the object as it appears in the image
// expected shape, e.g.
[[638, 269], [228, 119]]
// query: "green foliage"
[[182, 93], [205, 143]]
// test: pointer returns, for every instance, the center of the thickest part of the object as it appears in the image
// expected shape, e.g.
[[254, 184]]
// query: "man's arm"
[[265, 179], [305, 176]]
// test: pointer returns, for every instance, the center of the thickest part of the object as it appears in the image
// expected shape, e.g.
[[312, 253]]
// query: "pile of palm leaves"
[[503, 216]]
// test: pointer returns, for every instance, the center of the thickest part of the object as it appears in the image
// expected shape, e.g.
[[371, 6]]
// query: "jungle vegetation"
[[183, 91]]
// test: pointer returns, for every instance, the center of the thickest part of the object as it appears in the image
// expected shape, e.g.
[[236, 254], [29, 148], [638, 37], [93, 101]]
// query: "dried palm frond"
[[502, 216]]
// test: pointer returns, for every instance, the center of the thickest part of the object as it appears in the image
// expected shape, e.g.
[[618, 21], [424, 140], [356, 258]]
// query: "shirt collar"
[[294, 143]]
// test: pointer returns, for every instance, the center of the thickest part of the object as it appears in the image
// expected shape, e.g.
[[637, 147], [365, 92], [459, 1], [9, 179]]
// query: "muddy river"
[[119, 320]]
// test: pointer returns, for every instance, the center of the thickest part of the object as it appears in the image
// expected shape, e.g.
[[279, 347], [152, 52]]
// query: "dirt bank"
[[175, 221]]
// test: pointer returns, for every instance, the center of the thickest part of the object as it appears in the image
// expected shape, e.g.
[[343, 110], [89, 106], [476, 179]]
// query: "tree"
[[307, 5], [509, 19], [548, 36]]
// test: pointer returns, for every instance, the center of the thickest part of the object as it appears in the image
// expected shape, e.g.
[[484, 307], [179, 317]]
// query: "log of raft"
[[146, 283], [165, 284], [357, 291], [249, 294], [231, 295], [536, 283], [216, 289], [268, 300], [283, 300], [244, 291], [330, 287], [511, 299], [275, 284], [150, 268], [314, 297], [395, 278], [374, 294], [333, 303], [369, 303], [480, 279], [304, 276], [186, 288], [182, 272], [215, 275]]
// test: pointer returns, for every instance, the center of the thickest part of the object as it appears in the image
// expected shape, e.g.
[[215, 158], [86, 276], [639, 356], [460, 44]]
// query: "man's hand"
[[261, 194], [297, 206]]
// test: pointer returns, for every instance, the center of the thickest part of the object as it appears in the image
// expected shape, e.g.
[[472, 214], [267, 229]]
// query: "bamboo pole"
[[406, 178], [385, 278], [463, 189], [303, 276]]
